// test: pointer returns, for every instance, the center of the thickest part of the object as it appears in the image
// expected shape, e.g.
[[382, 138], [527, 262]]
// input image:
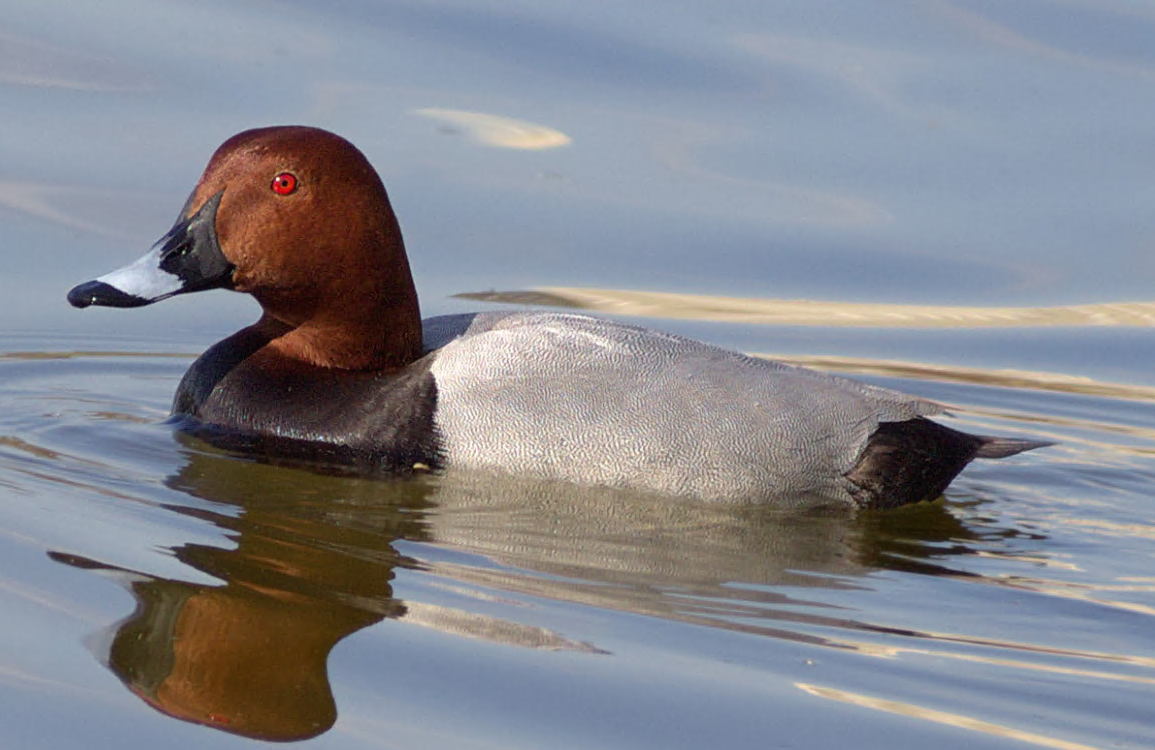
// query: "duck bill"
[[187, 259]]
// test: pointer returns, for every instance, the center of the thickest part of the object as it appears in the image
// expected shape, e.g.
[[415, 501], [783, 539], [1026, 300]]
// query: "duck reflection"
[[249, 656], [315, 559], [735, 566]]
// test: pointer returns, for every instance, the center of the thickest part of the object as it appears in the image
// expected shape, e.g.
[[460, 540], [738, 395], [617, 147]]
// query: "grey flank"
[[571, 397]]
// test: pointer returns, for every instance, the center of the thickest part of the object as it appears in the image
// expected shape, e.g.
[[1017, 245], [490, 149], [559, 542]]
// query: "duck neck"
[[380, 337]]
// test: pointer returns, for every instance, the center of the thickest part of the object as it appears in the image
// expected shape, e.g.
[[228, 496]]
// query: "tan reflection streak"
[[941, 717], [484, 627], [1142, 661], [891, 652], [1077, 592], [814, 313], [503, 132], [16, 443], [1116, 529], [1033, 560], [1041, 381], [1103, 656]]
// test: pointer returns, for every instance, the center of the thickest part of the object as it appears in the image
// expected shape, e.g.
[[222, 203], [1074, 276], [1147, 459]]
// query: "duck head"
[[298, 218]]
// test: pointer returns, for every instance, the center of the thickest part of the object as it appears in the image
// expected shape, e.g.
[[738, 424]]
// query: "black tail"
[[908, 462]]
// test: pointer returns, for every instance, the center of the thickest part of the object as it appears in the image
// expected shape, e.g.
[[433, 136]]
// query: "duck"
[[340, 369]]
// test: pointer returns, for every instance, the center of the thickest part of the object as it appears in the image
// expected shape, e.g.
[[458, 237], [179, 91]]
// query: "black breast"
[[241, 397]]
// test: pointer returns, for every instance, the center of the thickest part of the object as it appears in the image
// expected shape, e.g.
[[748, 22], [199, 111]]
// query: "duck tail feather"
[[998, 447]]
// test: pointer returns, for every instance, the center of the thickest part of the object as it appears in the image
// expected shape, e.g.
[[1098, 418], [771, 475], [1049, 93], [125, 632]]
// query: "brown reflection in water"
[[250, 664], [249, 656]]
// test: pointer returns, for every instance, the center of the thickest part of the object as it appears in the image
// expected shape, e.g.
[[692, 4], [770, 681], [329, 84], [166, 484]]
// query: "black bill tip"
[[102, 295]]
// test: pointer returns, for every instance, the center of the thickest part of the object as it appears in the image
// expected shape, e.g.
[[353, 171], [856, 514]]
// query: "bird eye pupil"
[[284, 183]]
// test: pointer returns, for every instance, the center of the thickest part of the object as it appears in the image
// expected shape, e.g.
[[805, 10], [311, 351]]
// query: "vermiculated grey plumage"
[[587, 400]]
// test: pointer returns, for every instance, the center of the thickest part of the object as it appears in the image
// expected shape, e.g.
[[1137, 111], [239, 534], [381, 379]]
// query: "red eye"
[[284, 183]]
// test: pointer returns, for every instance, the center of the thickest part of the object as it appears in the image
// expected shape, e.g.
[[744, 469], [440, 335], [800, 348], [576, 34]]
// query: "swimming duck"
[[340, 368]]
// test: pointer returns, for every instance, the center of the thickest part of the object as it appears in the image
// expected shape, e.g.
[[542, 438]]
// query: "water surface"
[[876, 160]]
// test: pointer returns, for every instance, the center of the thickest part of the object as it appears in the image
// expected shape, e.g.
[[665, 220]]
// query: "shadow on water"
[[312, 558]]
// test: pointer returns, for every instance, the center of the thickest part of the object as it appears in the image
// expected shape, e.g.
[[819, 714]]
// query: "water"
[[923, 154]]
